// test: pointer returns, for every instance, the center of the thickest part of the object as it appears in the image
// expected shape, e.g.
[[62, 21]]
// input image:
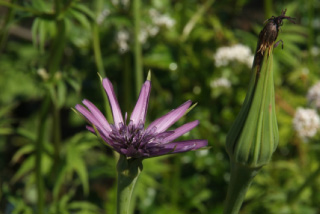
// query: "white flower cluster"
[[158, 20], [122, 40], [306, 122], [315, 51], [220, 83], [238, 52], [125, 3], [313, 95], [146, 31], [101, 17], [161, 20]]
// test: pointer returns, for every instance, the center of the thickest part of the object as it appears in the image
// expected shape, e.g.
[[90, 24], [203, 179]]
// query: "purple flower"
[[133, 140]]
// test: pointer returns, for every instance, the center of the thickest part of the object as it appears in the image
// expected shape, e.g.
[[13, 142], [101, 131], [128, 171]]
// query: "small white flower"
[[220, 83], [147, 31], [143, 36], [306, 122], [202, 153], [102, 16], [173, 66], [115, 2], [157, 20], [122, 39], [160, 19], [239, 52], [153, 30], [124, 3], [315, 51], [313, 95], [43, 73]]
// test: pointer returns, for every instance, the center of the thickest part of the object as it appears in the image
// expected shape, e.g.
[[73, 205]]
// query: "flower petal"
[[104, 137], [187, 145], [181, 130], [178, 147], [97, 114], [91, 119], [170, 118], [88, 115], [116, 111], [140, 110]]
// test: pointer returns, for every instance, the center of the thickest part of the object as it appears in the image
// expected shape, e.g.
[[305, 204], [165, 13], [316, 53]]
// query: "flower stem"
[[267, 8], [56, 53], [137, 46], [240, 181], [128, 173], [127, 82], [57, 48], [97, 50], [98, 55], [39, 150]]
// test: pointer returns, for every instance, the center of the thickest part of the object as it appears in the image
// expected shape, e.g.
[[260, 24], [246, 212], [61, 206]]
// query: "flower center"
[[134, 141]]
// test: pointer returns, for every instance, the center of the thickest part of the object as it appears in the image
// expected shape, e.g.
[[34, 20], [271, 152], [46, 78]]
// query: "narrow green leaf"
[[59, 182], [34, 31], [82, 19], [26, 149], [82, 8], [75, 163], [27, 165]]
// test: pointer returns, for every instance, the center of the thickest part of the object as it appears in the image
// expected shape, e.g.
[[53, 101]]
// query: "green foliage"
[[52, 50]]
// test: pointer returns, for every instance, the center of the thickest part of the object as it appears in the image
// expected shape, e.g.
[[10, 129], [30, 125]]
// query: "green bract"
[[254, 135]]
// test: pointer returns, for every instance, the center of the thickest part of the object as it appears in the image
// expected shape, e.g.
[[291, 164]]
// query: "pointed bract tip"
[[149, 75], [100, 76], [75, 111], [190, 108]]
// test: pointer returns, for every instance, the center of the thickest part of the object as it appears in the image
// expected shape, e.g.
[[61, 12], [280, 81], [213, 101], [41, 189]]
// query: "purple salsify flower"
[[133, 140]]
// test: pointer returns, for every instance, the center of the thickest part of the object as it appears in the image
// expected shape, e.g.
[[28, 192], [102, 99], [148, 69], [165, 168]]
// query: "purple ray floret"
[[133, 140]]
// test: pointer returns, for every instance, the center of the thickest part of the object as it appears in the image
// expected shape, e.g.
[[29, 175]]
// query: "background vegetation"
[[50, 53]]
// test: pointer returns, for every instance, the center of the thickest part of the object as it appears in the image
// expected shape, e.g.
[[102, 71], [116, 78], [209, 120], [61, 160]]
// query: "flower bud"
[[254, 135]]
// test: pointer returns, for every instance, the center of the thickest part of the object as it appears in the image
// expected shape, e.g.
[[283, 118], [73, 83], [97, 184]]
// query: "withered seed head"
[[268, 36], [269, 33]]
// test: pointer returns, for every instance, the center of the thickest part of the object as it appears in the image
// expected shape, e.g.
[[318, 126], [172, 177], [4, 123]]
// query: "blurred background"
[[51, 51]]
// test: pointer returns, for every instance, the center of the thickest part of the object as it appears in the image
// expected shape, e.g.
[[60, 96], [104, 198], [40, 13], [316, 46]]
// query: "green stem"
[[57, 47], [137, 46], [311, 38], [100, 67], [128, 173], [56, 134], [175, 193], [240, 181], [5, 28], [56, 53], [39, 151], [267, 8], [127, 82], [57, 5], [309, 181], [97, 50], [195, 19]]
